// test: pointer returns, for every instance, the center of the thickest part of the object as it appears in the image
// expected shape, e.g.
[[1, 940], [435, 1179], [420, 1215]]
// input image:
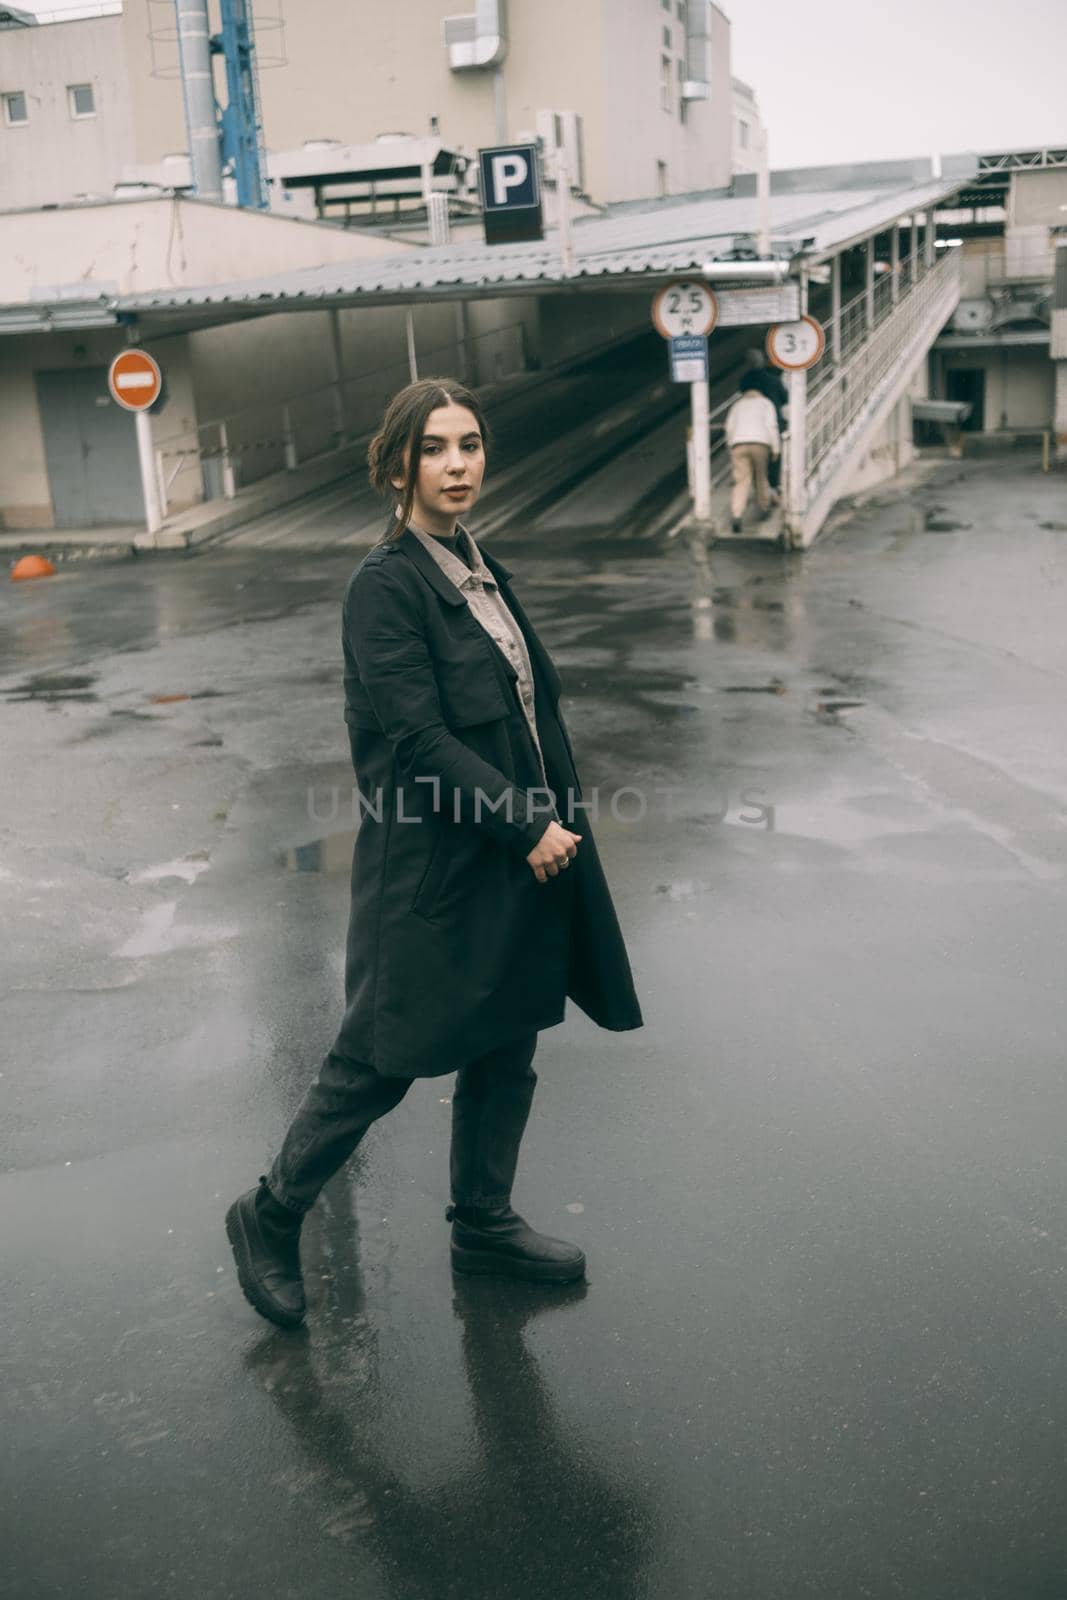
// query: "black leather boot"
[[265, 1236], [497, 1239]]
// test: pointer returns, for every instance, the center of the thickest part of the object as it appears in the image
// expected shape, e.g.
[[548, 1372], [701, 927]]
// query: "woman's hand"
[[553, 851]]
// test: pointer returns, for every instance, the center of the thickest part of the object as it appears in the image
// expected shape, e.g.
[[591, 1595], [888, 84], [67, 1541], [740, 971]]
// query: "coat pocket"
[[429, 887], [470, 694]]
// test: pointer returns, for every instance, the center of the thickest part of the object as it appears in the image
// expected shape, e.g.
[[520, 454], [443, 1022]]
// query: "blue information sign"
[[689, 358]]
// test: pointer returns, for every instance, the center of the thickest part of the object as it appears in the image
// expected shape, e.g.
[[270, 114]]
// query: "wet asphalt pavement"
[[822, 1191]]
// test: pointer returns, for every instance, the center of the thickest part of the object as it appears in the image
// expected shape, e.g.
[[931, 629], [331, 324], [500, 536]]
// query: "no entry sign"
[[135, 380]]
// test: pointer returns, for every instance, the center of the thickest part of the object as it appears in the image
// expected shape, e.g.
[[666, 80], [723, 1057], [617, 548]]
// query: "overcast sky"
[[839, 80]]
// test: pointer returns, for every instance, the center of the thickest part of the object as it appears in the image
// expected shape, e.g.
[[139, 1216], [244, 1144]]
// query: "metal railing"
[[277, 435], [847, 389]]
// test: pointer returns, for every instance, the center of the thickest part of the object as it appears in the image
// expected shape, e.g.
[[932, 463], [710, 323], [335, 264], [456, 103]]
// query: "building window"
[[662, 185], [665, 95], [742, 133], [666, 38], [681, 10], [15, 112], [665, 5], [81, 99]]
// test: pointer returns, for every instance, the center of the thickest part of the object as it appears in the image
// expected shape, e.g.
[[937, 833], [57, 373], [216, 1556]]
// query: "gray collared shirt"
[[489, 607]]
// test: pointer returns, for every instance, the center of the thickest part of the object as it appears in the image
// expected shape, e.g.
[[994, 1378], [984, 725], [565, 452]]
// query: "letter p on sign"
[[509, 172], [509, 177]]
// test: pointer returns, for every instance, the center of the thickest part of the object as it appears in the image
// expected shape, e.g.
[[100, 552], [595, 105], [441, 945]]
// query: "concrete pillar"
[[930, 233], [914, 224], [463, 364], [340, 427], [894, 263], [868, 271], [835, 310], [1060, 413]]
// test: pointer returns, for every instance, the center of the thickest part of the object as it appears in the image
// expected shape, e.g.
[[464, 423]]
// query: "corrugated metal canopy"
[[631, 248], [668, 237]]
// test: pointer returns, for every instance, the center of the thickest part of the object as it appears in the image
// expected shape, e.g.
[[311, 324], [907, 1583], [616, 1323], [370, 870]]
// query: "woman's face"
[[451, 466]]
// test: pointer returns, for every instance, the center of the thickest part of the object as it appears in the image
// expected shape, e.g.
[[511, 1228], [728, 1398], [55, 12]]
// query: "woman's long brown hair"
[[402, 429]]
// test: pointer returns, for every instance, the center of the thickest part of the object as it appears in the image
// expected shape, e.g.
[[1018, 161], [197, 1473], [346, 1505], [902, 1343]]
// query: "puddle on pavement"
[[936, 524], [776, 686], [187, 868], [332, 853], [55, 686]]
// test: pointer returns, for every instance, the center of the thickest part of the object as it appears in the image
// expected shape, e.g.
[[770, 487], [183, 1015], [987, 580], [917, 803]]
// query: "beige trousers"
[[748, 462]]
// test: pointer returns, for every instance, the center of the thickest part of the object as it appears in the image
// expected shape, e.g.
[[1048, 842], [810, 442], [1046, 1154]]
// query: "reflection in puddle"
[[330, 854], [776, 686], [55, 686]]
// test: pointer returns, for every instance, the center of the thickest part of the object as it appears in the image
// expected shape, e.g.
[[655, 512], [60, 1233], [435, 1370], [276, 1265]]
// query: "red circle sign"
[[135, 380], [795, 346]]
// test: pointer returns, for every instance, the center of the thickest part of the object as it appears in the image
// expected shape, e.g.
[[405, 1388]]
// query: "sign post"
[[685, 313], [794, 347], [136, 383]]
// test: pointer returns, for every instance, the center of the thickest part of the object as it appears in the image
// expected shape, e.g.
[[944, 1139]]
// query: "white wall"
[[891, 449], [747, 130], [140, 245], [55, 158], [694, 143]]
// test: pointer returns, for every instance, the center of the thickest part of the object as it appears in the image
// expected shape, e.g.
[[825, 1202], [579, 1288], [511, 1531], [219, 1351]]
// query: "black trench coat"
[[454, 948]]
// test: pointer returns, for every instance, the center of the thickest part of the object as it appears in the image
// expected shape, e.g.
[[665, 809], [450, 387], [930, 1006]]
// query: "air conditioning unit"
[[477, 40], [697, 82], [562, 130], [973, 316]]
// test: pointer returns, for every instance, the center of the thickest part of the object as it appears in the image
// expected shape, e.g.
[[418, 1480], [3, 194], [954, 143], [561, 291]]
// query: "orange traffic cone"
[[32, 567]]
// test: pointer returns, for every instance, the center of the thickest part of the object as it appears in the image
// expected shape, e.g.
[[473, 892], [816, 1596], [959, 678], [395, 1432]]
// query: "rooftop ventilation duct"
[[478, 41], [697, 83]]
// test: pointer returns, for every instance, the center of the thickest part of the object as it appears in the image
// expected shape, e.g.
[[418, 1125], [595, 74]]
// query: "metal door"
[[90, 445], [968, 383]]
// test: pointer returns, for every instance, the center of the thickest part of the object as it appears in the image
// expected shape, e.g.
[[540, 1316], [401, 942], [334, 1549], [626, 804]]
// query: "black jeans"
[[490, 1106]]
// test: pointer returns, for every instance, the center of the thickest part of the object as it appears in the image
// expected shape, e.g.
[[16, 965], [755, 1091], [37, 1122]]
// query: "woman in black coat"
[[478, 900]]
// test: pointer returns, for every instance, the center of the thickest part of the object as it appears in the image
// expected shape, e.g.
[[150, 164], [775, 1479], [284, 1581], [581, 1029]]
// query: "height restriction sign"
[[686, 307], [135, 380], [795, 346]]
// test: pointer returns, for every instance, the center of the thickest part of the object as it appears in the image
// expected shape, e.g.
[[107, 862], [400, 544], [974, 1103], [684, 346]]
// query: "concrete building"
[[643, 89], [748, 130], [995, 355]]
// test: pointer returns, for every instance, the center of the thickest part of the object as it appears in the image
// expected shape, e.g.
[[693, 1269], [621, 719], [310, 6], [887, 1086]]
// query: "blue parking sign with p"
[[509, 177]]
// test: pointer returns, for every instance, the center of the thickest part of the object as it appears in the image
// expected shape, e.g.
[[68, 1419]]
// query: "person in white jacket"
[[753, 437]]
